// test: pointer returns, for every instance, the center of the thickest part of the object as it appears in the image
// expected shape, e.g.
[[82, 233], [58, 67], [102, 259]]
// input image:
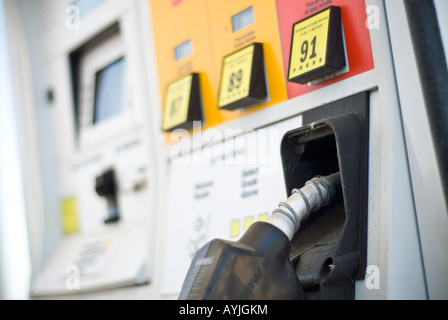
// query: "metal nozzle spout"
[[315, 194]]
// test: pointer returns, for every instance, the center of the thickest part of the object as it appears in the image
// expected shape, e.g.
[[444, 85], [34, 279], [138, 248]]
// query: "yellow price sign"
[[182, 103], [235, 78], [310, 44], [177, 103], [317, 47], [241, 76]]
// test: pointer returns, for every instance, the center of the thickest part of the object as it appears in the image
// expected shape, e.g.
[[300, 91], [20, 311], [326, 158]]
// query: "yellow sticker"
[[236, 75], [70, 215], [263, 216], [235, 228], [309, 44], [177, 102], [248, 222]]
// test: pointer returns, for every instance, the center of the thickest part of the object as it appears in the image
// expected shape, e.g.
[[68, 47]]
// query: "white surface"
[[15, 264], [112, 265], [123, 143], [431, 211]]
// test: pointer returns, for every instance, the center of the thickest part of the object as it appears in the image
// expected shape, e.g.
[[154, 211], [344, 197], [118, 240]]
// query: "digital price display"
[[243, 19], [183, 50], [243, 80], [182, 103], [317, 47]]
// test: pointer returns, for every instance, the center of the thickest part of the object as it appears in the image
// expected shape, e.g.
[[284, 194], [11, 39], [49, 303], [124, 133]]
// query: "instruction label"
[[309, 44], [236, 75], [220, 191]]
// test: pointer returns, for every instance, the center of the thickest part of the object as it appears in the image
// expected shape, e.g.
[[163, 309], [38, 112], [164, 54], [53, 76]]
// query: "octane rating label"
[[236, 75], [177, 102], [309, 44]]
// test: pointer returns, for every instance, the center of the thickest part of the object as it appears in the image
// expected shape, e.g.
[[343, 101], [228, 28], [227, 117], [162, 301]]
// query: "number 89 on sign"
[[243, 80]]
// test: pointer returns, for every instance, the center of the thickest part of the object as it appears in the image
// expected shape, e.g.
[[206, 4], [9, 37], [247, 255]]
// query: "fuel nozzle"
[[316, 193], [257, 267]]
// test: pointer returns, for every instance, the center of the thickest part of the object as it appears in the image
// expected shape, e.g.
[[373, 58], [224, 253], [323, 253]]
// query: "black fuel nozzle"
[[258, 267]]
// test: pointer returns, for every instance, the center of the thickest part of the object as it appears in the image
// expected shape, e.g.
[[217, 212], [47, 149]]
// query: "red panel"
[[357, 37]]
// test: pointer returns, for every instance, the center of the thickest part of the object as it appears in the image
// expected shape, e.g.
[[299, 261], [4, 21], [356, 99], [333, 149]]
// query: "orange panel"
[[263, 29], [184, 25]]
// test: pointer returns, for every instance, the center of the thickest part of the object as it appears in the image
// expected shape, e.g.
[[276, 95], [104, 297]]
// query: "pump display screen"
[[109, 84]]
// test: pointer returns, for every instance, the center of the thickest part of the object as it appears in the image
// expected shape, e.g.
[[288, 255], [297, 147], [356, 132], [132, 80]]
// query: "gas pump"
[[159, 137]]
